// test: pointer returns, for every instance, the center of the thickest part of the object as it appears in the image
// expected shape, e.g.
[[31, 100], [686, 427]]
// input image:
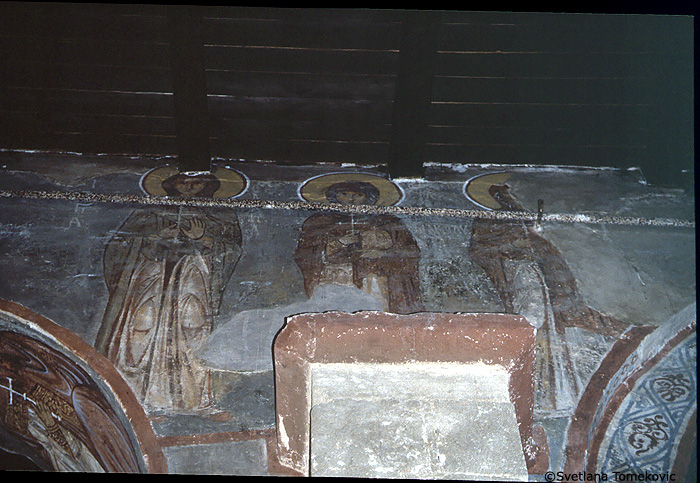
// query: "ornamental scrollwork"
[[671, 387], [646, 434]]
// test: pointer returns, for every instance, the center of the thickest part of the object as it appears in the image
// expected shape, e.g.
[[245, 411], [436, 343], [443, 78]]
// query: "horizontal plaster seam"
[[84, 197]]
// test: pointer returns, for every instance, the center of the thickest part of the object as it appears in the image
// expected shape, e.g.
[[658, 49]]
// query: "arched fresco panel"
[[57, 405], [653, 417]]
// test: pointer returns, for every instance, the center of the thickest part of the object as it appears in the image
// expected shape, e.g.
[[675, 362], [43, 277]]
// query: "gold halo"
[[477, 189], [314, 189], [233, 183]]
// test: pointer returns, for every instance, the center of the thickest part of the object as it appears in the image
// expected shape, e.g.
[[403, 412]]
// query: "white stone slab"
[[414, 420]]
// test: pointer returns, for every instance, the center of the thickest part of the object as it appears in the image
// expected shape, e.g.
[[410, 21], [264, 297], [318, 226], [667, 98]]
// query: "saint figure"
[[166, 270], [375, 253], [533, 279]]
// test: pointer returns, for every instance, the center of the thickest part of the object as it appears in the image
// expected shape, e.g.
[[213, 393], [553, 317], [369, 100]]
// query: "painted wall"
[[226, 284]]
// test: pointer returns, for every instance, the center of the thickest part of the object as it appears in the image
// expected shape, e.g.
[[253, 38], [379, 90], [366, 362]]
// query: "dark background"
[[392, 87]]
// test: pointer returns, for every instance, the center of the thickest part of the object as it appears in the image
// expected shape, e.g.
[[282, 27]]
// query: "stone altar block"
[[373, 394]]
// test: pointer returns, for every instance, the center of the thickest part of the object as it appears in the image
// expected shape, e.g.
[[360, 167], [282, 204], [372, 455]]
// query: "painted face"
[[348, 197], [189, 186]]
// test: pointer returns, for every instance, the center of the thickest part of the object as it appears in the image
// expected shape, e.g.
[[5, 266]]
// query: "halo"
[[477, 189], [313, 189], [233, 183]]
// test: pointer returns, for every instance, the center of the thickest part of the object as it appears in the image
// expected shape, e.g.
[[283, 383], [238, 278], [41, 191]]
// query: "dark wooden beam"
[[189, 87], [414, 85]]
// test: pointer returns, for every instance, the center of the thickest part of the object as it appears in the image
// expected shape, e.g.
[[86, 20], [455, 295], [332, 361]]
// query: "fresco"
[[185, 301], [375, 253], [166, 269], [533, 279], [654, 416], [54, 412]]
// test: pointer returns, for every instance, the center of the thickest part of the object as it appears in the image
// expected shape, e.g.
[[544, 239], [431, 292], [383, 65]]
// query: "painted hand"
[[196, 229]]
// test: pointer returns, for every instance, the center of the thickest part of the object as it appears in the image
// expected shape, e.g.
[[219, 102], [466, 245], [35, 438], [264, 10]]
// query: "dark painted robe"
[[362, 250]]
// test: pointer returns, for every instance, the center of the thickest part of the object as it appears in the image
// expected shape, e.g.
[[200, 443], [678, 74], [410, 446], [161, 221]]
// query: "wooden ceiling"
[[388, 87]]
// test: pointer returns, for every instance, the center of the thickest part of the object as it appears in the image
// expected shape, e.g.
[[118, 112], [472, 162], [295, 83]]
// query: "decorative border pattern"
[[654, 415]]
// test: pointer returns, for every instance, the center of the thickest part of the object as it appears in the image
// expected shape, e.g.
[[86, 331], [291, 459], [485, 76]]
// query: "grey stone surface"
[[555, 426], [243, 401], [391, 438], [50, 248], [244, 343], [266, 275], [474, 381], [641, 275], [414, 421], [233, 458]]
